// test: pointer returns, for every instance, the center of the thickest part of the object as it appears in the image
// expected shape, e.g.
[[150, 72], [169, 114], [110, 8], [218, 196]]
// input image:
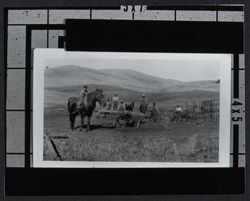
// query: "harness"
[[83, 106], [79, 110]]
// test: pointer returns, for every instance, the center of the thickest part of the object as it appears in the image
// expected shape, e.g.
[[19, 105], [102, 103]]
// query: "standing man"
[[115, 101], [144, 104], [121, 106], [178, 111], [83, 97], [155, 112], [109, 102]]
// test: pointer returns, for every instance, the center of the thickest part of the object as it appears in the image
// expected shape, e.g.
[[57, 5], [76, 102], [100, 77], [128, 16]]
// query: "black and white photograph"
[[104, 109]]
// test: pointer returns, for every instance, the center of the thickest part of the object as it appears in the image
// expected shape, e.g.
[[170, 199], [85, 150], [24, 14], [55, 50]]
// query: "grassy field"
[[154, 141]]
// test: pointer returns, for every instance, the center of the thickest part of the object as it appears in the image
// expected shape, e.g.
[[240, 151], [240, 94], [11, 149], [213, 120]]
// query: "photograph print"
[[106, 109]]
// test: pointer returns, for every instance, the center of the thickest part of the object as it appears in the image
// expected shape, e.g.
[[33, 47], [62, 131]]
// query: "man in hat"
[[144, 103], [115, 101], [83, 97], [178, 111], [155, 112]]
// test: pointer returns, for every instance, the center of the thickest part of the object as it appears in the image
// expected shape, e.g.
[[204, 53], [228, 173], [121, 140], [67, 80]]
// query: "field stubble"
[[160, 141]]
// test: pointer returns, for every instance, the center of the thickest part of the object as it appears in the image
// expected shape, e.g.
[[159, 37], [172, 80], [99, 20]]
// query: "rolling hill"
[[128, 79], [206, 85], [66, 81], [60, 95]]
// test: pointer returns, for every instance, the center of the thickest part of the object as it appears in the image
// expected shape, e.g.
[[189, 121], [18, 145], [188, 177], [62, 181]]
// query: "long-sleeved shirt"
[[121, 107], [178, 109], [144, 101], [156, 109], [115, 99]]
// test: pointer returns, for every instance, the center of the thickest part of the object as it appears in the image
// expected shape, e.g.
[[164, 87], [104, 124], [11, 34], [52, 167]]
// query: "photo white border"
[[41, 56]]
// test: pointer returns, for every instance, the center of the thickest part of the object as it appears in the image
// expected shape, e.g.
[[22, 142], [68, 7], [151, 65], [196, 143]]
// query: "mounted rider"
[[83, 97]]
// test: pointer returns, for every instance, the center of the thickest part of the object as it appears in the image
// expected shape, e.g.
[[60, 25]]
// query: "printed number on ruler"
[[133, 8], [237, 111]]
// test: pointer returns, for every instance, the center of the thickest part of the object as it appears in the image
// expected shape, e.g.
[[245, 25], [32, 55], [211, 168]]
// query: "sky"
[[179, 68]]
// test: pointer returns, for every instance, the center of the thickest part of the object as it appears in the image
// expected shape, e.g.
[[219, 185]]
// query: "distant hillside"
[[108, 90], [128, 79], [148, 80], [71, 75], [207, 85], [59, 95]]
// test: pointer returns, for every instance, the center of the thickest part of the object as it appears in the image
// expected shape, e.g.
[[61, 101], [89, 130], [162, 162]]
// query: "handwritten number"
[[237, 118]]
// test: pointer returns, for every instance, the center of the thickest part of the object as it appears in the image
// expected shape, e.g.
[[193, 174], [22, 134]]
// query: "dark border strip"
[[90, 14], [42, 27], [197, 7], [15, 110], [28, 96], [47, 26], [48, 30], [236, 75], [235, 146], [137, 36], [16, 68], [123, 181], [240, 154], [239, 69], [13, 153]]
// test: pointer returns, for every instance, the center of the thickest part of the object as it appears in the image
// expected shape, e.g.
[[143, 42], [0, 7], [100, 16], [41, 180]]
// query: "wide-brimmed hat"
[[85, 86], [116, 93], [143, 95], [121, 101]]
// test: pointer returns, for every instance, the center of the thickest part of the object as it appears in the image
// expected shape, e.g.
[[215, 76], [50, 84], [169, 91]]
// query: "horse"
[[130, 106], [143, 108], [184, 114], [85, 110]]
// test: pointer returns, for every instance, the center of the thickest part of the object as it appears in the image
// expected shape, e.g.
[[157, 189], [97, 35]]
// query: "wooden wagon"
[[127, 118]]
